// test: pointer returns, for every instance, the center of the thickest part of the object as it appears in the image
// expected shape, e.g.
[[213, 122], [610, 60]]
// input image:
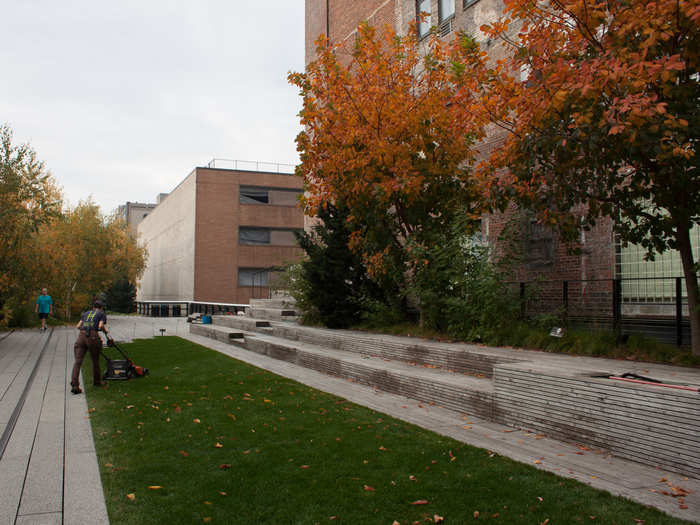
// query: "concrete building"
[[133, 213], [216, 236]]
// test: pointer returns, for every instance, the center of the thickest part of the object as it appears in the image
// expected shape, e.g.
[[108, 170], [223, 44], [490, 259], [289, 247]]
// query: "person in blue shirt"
[[44, 307], [91, 323]]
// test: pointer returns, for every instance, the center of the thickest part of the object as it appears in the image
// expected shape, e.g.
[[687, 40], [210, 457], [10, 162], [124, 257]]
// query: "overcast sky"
[[122, 99]]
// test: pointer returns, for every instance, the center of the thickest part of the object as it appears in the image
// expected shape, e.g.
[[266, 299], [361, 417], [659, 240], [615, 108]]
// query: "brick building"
[[216, 236]]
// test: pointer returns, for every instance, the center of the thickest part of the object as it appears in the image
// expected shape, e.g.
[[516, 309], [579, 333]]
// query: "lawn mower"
[[121, 369]]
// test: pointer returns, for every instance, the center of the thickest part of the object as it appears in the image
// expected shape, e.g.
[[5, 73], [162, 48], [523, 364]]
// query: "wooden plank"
[[569, 404]]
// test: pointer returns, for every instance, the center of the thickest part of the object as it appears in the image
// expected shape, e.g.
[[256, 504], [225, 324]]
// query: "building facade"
[[133, 213], [218, 235]]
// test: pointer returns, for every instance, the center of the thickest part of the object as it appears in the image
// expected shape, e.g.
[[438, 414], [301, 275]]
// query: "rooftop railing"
[[252, 165]]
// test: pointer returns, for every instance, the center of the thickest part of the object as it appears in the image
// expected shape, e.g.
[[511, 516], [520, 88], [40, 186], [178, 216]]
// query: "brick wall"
[[219, 215], [343, 18]]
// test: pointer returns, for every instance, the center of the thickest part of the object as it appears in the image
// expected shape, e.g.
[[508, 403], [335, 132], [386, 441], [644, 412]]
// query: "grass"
[[230, 443]]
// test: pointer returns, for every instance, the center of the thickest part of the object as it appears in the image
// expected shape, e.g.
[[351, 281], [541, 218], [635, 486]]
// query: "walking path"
[[48, 466], [49, 472]]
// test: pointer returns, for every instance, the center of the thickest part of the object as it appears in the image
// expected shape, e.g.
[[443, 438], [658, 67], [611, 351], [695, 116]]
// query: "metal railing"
[[654, 306], [185, 308], [252, 165]]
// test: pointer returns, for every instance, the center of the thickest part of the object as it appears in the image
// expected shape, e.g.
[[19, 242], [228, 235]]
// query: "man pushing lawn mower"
[[91, 323]]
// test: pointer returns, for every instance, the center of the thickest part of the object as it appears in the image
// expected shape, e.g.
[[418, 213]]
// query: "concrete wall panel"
[[168, 234]]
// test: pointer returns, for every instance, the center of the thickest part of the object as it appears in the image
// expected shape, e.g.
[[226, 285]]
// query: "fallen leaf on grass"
[[154, 487], [368, 488], [218, 445], [304, 466], [420, 502], [224, 466], [129, 406], [476, 514], [206, 520], [184, 454], [412, 478], [545, 522], [108, 465], [196, 420], [382, 448], [131, 496], [438, 519], [222, 493]]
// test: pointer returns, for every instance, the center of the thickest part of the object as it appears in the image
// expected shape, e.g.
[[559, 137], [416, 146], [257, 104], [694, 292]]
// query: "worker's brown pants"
[[83, 344]]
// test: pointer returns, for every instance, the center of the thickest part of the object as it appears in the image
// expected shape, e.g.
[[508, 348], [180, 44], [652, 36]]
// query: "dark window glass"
[[423, 6], [253, 277], [253, 195], [253, 236]]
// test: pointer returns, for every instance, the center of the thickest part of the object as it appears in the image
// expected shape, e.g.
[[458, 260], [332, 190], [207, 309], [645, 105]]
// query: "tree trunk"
[[691, 284]]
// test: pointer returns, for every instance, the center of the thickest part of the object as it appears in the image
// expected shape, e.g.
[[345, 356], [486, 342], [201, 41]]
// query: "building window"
[[423, 6], [446, 9], [253, 236], [253, 195], [263, 195], [253, 277], [266, 236], [467, 3]]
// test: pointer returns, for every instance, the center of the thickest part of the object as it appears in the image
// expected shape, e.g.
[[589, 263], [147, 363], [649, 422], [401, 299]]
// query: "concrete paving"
[[49, 471]]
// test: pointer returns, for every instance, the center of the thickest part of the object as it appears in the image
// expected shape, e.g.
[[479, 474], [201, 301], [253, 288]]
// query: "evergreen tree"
[[336, 284], [121, 296]]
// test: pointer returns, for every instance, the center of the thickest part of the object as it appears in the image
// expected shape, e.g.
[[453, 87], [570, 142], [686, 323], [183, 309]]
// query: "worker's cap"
[[98, 304]]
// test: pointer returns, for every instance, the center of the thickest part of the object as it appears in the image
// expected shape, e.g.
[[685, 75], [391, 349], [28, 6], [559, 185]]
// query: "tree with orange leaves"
[[601, 102], [385, 136]]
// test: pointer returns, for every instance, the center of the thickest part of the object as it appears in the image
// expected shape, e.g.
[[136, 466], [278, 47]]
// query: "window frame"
[[442, 19], [268, 189], [422, 35]]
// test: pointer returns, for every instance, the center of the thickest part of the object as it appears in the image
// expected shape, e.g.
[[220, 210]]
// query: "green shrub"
[[459, 290]]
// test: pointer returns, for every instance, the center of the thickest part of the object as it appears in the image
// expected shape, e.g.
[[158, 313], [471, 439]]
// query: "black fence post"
[[617, 305], [565, 292], [522, 301], [679, 312]]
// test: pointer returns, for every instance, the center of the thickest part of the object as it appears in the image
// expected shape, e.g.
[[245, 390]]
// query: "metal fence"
[[252, 165], [655, 306]]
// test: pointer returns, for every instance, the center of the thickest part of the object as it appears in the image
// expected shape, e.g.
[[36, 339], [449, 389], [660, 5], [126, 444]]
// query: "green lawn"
[[229, 443]]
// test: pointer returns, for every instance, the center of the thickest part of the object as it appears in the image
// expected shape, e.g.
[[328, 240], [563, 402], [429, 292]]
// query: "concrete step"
[[281, 303], [272, 314], [220, 333], [459, 392], [241, 322], [459, 358]]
